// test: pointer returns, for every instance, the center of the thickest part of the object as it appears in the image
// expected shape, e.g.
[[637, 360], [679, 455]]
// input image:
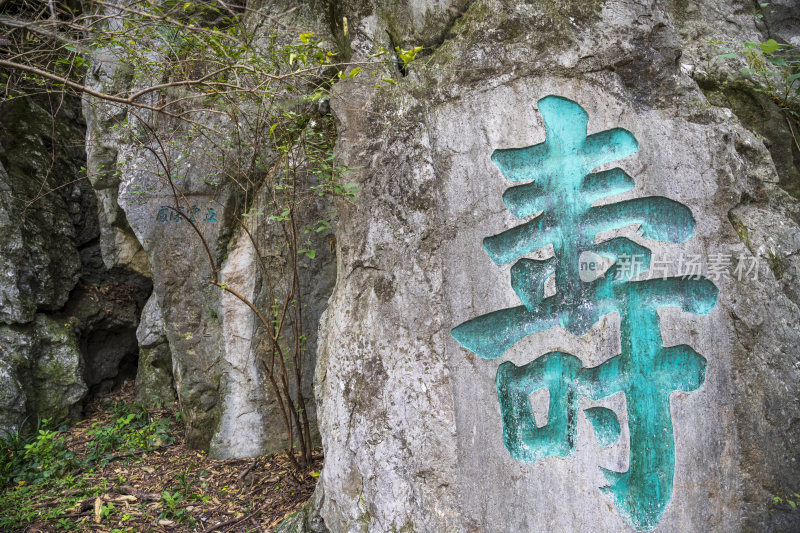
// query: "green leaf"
[[770, 46], [407, 55]]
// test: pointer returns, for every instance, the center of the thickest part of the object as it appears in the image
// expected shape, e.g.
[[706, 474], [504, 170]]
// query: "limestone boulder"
[[416, 434]]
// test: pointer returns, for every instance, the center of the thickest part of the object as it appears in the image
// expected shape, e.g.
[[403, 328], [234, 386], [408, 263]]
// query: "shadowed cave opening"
[[112, 358], [105, 308]]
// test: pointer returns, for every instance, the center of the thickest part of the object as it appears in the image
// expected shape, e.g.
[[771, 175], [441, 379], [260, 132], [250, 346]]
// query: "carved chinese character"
[[563, 188]]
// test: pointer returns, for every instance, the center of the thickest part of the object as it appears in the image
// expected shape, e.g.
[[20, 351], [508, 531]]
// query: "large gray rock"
[[214, 339], [181, 272], [410, 419], [141, 231], [251, 421], [45, 216], [104, 136]]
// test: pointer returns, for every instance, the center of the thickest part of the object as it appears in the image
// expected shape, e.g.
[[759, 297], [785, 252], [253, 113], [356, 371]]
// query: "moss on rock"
[[45, 360]]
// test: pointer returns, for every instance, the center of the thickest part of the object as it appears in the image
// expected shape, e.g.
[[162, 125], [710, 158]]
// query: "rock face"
[[421, 433], [67, 322], [478, 367], [206, 342], [12, 398], [154, 383], [40, 262], [41, 367], [44, 358]]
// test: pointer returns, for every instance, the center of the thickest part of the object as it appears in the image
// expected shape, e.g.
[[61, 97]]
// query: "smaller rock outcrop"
[[154, 383], [12, 399], [44, 368]]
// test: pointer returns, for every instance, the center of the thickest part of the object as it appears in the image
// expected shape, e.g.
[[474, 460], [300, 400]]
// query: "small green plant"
[[171, 502], [770, 67], [106, 510], [792, 501], [34, 458], [12, 452], [133, 429], [184, 480], [407, 56], [65, 524]]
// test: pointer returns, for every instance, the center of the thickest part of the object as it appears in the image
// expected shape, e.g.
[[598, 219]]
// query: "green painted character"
[[562, 188]]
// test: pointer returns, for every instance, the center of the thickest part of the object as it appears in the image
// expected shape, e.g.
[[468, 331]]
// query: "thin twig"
[[791, 130]]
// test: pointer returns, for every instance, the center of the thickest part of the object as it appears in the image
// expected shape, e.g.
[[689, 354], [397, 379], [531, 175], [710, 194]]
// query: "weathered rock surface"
[[40, 264], [212, 339], [410, 419], [251, 419], [104, 137], [69, 322], [41, 225], [12, 400], [44, 359], [782, 18], [154, 383]]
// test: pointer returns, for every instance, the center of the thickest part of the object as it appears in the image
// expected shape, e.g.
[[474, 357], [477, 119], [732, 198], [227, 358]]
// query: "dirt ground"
[[203, 494]]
